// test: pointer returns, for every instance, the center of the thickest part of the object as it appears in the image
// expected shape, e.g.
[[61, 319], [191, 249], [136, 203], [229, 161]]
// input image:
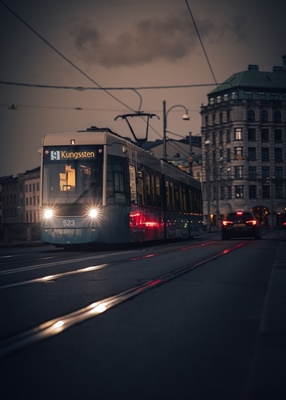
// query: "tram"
[[98, 187]]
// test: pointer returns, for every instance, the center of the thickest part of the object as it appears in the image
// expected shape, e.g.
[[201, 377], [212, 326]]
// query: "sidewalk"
[[267, 376]]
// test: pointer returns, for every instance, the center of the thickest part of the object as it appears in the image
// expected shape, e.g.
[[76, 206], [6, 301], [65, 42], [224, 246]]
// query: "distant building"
[[184, 153], [244, 146], [21, 197]]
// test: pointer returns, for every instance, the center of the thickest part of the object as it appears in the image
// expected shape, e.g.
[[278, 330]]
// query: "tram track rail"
[[58, 325]]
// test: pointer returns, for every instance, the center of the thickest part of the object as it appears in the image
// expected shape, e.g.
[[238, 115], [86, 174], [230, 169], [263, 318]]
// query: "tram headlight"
[[93, 213], [48, 213]]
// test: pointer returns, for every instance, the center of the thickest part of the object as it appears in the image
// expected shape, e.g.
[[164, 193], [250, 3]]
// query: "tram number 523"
[[68, 222]]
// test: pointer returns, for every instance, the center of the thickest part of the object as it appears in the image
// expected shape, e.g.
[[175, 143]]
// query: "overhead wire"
[[81, 88], [107, 91], [200, 39], [69, 61]]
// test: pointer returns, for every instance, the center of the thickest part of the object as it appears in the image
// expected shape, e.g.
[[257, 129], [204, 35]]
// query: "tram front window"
[[71, 181]]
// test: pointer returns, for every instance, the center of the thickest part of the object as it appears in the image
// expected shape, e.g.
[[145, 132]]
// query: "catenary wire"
[[69, 61], [200, 39]]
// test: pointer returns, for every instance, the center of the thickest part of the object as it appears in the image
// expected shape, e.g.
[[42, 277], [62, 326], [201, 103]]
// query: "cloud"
[[171, 38]]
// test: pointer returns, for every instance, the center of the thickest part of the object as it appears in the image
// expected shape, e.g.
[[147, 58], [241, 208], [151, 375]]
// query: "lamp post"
[[185, 117], [207, 143], [271, 200]]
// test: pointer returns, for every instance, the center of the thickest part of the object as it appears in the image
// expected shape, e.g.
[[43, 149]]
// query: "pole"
[[208, 187], [164, 130], [217, 193]]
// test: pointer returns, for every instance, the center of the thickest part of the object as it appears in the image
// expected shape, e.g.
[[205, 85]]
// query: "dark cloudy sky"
[[121, 44]]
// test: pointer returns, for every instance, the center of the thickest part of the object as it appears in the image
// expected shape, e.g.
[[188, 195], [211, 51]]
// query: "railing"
[[20, 232]]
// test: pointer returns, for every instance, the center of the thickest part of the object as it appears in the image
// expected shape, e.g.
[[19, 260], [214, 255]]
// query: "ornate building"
[[244, 146]]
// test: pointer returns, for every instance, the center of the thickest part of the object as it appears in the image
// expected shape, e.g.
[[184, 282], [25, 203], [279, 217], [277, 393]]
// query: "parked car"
[[240, 224]]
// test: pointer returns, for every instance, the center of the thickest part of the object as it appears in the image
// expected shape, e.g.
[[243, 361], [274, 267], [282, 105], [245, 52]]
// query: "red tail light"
[[227, 223], [251, 222]]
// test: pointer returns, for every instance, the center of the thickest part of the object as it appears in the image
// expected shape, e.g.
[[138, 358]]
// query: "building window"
[[265, 154], [238, 172], [266, 191], [218, 99], [274, 96], [233, 95], [221, 137], [248, 94], [30, 187], [26, 188], [252, 172], [228, 154], [220, 118], [222, 192], [229, 192], [251, 153], [225, 97], [278, 172], [228, 136], [250, 116], [251, 134], [252, 191], [213, 137], [211, 100], [228, 116], [278, 154], [261, 95], [38, 186], [265, 135], [265, 172], [264, 116], [207, 120], [237, 134], [279, 191], [213, 119], [238, 153], [278, 135], [239, 191], [277, 117], [214, 156]]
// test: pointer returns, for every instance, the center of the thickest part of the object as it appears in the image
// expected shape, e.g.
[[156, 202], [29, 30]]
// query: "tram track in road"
[[81, 259], [53, 277], [57, 325]]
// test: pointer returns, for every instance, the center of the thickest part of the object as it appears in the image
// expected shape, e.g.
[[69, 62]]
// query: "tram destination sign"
[[67, 154]]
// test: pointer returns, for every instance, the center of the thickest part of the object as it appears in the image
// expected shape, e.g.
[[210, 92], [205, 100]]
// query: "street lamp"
[[207, 143], [185, 117]]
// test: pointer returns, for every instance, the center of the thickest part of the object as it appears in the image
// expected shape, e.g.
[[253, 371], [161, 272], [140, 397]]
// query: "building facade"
[[244, 146], [21, 197]]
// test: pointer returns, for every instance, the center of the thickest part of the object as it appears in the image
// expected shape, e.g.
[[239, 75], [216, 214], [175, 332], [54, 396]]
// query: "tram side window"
[[172, 196], [158, 191], [184, 200], [117, 175], [191, 201], [168, 197], [148, 189], [141, 199], [177, 198], [132, 180]]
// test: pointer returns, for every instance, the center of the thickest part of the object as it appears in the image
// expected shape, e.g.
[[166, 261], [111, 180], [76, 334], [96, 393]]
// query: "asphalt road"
[[204, 334]]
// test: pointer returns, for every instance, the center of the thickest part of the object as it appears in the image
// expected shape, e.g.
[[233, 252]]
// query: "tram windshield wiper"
[[84, 193]]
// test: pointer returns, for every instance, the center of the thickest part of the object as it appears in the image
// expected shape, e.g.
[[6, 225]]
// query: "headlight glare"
[[93, 213], [48, 213]]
